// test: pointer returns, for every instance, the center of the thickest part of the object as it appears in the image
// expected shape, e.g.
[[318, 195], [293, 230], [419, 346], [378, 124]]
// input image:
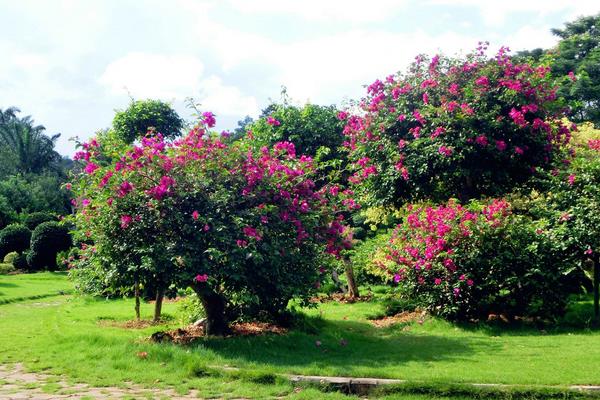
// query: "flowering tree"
[[245, 228], [454, 127], [467, 262]]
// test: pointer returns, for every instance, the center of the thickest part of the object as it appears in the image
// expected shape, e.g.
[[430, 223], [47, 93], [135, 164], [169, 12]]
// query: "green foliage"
[[28, 147], [20, 262], [315, 131], [578, 52], [366, 256], [189, 308], [14, 237], [34, 193], [32, 220], [7, 213], [6, 268], [47, 240], [141, 115], [10, 257]]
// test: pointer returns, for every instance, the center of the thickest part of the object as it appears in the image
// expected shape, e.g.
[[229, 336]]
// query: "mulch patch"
[[403, 317], [132, 324], [192, 332], [341, 298]]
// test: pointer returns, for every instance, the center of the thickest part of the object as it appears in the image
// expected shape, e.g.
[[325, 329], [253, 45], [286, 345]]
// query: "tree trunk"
[[136, 288], [352, 288], [336, 280], [160, 293], [214, 306]]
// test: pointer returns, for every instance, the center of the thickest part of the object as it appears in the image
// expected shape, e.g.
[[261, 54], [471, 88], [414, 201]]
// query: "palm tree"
[[32, 149]]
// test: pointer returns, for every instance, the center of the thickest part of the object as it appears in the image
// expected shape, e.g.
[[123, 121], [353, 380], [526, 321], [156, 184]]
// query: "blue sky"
[[70, 63]]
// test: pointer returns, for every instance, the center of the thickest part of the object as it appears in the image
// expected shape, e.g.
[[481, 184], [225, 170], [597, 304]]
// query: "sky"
[[71, 63]]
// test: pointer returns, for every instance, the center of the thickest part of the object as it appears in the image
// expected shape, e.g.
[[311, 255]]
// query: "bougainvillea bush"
[[455, 127], [244, 228], [466, 262]]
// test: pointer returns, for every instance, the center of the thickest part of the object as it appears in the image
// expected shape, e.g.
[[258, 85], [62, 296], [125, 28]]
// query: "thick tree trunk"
[[136, 289], [214, 306], [160, 294], [352, 288]]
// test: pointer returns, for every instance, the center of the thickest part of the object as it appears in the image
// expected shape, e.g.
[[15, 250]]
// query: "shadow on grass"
[[7, 284], [344, 345], [578, 318]]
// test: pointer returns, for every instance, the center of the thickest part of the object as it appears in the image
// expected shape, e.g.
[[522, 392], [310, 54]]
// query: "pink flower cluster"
[[422, 250]]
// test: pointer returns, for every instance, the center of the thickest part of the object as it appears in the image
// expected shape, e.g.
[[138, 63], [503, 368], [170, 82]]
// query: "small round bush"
[[47, 240], [20, 262], [141, 115], [6, 268], [32, 220], [14, 237], [10, 257]]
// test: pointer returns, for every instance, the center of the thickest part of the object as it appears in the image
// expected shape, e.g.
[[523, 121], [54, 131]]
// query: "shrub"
[[366, 257], [6, 268], [142, 115], [10, 257], [454, 127], [32, 220], [47, 240], [14, 237], [468, 262], [245, 228], [20, 262]]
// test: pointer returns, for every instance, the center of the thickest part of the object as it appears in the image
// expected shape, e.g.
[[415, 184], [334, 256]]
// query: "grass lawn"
[[74, 336], [33, 286]]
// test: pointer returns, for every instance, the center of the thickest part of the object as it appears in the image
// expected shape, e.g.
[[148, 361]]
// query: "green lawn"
[[33, 286], [70, 335]]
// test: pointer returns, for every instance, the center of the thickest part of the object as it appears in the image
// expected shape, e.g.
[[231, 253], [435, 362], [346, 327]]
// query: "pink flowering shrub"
[[455, 127], [245, 228], [465, 262]]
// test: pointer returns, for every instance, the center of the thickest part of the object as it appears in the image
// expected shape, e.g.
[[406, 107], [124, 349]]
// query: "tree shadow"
[[8, 284], [345, 345]]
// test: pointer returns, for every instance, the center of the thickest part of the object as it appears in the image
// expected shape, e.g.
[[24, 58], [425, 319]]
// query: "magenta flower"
[[342, 115], [195, 215], [588, 251], [445, 151], [571, 179], [201, 278], [272, 121], [501, 145], [209, 119], [90, 168], [437, 281], [482, 81], [519, 150], [68, 186], [125, 221]]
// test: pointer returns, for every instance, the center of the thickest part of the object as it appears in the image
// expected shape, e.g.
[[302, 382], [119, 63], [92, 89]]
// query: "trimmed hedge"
[[47, 240], [14, 237], [32, 220], [6, 268]]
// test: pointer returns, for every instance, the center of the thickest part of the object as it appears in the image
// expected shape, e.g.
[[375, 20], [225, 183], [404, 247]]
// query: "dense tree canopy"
[[142, 115]]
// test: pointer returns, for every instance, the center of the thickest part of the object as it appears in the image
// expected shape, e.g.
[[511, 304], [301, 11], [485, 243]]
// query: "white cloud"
[[153, 75], [175, 77], [324, 10], [495, 12], [226, 100]]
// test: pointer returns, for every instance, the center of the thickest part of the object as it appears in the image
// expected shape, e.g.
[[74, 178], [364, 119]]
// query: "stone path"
[[17, 384]]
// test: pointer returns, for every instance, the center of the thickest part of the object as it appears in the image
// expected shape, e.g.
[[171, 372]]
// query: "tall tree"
[[31, 149]]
